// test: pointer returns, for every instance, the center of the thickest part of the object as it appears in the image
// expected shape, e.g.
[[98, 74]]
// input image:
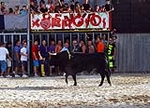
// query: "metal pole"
[[28, 38]]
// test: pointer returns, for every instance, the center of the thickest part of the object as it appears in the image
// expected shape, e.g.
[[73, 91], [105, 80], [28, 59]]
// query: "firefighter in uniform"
[[111, 52]]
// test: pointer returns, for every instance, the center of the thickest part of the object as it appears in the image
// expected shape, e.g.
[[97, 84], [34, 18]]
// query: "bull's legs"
[[108, 77], [66, 79], [74, 79], [102, 79]]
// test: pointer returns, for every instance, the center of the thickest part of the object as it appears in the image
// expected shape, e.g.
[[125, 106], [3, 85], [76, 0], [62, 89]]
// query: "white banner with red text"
[[63, 21]]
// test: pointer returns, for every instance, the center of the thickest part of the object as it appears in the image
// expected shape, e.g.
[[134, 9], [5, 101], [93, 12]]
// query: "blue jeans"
[[3, 65]]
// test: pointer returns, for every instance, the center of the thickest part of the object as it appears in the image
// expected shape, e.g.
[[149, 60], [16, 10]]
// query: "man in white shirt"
[[23, 59], [3, 64]]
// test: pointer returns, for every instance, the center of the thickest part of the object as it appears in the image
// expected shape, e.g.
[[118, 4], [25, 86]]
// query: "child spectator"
[[24, 10]]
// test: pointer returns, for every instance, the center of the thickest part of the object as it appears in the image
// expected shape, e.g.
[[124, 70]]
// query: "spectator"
[[51, 51], [108, 6], [24, 10], [3, 8], [97, 8], [104, 40], [23, 59], [16, 10], [100, 47], [58, 46], [16, 57], [90, 47], [65, 48], [35, 57], [43, 54], [75, 46], [10, 11], [3, 64], [34, 7], [9, 61], [86, 5], [43, 8], [102, 9], [82, 46], [50, 6], [51, 48], [72, 5], [77, 8]]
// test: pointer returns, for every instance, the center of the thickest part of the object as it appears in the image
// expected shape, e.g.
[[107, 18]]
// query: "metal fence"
[[133, 53]]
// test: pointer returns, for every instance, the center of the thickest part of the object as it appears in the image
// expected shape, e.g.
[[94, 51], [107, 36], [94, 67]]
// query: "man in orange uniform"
[[100, 47]]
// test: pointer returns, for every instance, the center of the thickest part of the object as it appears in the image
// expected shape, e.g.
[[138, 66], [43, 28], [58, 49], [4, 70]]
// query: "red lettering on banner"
[[80, 21], [70, 21], [66, 22], [45, 22], [104, 23], [35, 23], [87, 20], [56, 21], [95, 20]]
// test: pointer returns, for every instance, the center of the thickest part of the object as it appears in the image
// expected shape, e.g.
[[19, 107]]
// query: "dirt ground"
[[127, 91]]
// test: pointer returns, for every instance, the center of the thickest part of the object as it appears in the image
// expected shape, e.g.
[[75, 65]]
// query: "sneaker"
[[35, 75], [8, 76], [24, 76], [17, 76]]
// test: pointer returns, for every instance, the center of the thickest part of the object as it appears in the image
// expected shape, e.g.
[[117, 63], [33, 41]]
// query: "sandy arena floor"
[[127, 91]]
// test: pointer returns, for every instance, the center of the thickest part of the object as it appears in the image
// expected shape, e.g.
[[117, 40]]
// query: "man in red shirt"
[[35, 57], [100, 47]]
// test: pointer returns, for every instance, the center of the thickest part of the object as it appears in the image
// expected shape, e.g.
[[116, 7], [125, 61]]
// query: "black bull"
[[73, 63]]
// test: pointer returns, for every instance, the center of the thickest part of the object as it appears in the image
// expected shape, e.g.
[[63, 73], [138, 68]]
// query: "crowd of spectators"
[[61, 6], [17, 54], [16, 10]]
